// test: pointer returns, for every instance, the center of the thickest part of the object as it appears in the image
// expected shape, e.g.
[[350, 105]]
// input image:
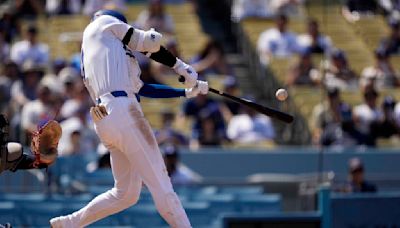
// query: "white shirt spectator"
[[33, 113], [54, 6], [397, 113], [244, 129], [273, 42], [88, 139], [366, 115], [251, 8], [91, 6], [22, 51]]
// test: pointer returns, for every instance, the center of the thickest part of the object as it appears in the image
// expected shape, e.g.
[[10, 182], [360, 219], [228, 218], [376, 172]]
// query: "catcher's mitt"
[[45, 142]]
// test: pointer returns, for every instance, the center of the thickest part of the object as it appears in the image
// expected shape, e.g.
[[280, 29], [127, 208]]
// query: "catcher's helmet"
[[112, 13]]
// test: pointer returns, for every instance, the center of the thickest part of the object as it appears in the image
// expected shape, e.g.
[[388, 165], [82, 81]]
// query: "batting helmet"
[[112, 13]]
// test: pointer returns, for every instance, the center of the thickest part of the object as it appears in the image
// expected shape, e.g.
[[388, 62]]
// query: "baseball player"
[[44, 148], [112, 76]]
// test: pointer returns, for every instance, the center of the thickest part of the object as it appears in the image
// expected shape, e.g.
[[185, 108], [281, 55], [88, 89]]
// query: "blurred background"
[[335, 166]]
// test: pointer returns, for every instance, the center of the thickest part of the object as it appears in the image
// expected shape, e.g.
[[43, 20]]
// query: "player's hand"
[[186, 71], [201, 87]]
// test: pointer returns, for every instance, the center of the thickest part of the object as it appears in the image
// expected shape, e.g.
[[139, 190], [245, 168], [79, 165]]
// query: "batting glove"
[[200, 88], [186, 71]]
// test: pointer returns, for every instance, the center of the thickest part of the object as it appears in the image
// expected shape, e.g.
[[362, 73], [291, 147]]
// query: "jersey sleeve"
[[116, 27]]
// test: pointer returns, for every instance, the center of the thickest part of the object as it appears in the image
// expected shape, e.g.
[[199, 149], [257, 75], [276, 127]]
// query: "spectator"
[[30, 49], [230, 108], [24, 89], [357, 182], [208, 133], [250, 127], [354, 9], [313, 41], [367, 113], [332, 122], [382, 75], [37, 111], [156, 17], [79, 97], [78, 135], [92, 6], [9, 23], [71, 80], [277, 42], [29, 8], [391, 8], [242, 9], [207, 119], [391, 45], [4, 46], [304, 72], [167, 134], [388, 126], [63, 7], [179, 173], [339, 74], [10, 73], [211, 60], [51, 79]]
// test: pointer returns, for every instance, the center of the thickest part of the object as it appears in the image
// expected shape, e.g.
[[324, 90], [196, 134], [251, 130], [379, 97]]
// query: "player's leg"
[[142, 150], [125, 193]]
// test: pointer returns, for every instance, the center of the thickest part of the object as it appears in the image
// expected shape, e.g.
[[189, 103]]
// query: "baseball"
[[281, 94]]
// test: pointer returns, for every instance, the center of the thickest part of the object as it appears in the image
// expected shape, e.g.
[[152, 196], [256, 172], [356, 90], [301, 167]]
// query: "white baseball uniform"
[[135, 156]]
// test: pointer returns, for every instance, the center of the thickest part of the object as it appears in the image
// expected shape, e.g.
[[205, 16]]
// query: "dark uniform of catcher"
[[43, 148]]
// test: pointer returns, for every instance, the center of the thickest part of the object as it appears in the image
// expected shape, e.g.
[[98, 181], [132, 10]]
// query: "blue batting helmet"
[[112, 13]]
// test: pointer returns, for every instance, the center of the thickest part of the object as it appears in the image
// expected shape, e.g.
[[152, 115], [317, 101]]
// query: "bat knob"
[[181, 79]]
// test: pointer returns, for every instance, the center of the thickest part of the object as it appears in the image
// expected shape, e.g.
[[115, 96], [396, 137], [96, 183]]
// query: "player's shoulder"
[[101, 23]]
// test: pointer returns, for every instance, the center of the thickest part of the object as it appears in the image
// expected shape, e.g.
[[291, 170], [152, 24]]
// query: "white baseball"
[[281, 94]]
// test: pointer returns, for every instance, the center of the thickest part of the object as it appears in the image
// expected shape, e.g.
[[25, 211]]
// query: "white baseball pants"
[[135, 157]]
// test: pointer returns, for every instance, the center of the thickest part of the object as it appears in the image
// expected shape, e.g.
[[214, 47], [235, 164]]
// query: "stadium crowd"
[[334, 122], [36, 88]]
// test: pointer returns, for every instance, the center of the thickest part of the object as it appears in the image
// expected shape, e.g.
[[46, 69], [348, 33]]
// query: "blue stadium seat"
[[39, 214], [261, 203], [21, 197], [241, 190], [8, 212], [198, 213], [144, 215], [219, 203]]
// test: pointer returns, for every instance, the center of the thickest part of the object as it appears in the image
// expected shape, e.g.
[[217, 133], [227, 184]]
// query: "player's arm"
[[149, 43], [165, 57], [164, 91]]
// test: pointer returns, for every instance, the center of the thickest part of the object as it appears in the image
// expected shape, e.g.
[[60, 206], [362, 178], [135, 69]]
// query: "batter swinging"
[[111, 75]]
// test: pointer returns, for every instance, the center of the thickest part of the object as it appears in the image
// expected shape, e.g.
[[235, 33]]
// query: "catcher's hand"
[[45, 142]]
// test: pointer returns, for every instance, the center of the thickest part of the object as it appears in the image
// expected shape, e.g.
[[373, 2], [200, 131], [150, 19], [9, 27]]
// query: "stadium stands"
[[242, 187]]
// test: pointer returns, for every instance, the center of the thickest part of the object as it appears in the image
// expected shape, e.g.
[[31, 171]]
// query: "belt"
[[113, 94]]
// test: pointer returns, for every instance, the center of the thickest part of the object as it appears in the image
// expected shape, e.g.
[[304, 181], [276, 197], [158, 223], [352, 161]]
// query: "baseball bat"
[[273, 113]]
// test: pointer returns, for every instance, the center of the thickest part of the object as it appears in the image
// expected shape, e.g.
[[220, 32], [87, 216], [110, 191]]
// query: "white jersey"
[[106, 64]]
